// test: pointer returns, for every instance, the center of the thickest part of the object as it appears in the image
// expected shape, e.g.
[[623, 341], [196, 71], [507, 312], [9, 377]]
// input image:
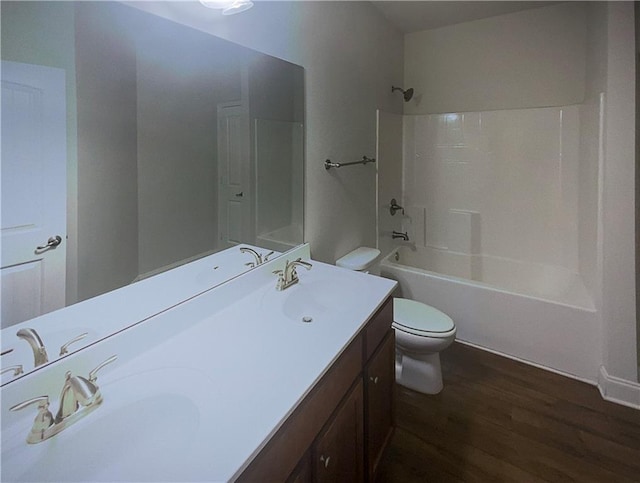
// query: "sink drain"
[[307, 319]]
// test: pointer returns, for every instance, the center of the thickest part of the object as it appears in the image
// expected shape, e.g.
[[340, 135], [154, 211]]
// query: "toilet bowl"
[[421, 331]]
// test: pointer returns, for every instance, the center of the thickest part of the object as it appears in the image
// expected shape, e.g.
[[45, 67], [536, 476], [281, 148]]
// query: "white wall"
[[532, 58], [618, 311], [351, 57]]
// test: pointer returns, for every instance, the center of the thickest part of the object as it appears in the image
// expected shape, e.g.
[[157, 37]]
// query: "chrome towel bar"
[[328, 164]]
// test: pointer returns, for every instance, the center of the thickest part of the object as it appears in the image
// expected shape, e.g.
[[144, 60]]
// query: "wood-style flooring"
[[500, 420]]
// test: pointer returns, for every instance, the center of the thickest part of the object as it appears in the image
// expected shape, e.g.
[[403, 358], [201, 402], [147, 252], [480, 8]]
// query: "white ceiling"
[[413, 16]]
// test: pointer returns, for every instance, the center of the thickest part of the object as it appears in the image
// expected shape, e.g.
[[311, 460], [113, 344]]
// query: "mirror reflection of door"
[[33, 191], [234, 203]]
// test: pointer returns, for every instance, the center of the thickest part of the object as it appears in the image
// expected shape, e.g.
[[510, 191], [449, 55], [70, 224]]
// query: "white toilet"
[[421, 332]]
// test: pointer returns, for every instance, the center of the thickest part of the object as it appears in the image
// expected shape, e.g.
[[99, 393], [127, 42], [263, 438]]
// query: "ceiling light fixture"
[[228, 7]]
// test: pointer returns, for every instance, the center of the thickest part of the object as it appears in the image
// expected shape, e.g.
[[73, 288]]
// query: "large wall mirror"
[[136, 144]]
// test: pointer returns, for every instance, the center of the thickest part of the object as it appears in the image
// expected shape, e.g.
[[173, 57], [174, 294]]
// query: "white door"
[[234, 195], [34, 194]]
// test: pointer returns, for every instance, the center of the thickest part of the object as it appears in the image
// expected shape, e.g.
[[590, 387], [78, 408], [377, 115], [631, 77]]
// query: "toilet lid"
[[420, 319]]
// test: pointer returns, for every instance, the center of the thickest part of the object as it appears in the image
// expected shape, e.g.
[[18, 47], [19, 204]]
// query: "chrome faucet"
[[289, 276], [76, 391], [259, 259], [403, 236], [37, 346]]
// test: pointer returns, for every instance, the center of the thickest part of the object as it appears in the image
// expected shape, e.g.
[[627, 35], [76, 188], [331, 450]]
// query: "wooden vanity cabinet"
[[379, 377], [340, 430]]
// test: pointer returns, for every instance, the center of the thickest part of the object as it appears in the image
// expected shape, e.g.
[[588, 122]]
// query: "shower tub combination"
[[540, 314]]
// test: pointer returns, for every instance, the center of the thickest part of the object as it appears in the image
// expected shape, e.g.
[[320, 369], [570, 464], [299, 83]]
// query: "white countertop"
[[223, 371]]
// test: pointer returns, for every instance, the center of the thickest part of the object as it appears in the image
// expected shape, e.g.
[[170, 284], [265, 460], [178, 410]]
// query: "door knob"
[[52, 242], [240, 195]]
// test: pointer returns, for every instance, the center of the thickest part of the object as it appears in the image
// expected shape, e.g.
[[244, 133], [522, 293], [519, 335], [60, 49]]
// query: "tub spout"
[[403, 236]]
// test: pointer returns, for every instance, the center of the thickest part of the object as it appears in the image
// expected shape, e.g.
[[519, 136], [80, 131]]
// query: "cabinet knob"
[[325, 460], [374, 379]]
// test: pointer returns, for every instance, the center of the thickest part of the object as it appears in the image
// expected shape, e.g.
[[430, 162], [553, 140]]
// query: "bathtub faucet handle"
[[394, 206]]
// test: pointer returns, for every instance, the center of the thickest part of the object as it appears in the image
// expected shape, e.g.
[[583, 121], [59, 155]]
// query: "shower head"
[[408, 94]]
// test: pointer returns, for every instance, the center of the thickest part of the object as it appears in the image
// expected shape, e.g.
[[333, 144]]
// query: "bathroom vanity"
[[340, 430], [243, 382]]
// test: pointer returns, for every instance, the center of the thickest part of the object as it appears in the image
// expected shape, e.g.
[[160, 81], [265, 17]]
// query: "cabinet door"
[[379, 379], [338, 452], [302, 473]]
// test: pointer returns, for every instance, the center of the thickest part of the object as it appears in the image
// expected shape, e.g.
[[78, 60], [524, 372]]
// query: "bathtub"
[[536, 313]]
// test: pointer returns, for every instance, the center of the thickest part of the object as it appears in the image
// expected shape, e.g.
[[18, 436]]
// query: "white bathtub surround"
[[500, 183], [464, 232], [242, 341], [547, 282], [282, 239], [413, 222], [505, 235], [553, 332]]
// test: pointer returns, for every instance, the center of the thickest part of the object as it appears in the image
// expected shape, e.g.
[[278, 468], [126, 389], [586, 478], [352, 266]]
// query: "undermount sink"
[[145, 430], [314, 298]]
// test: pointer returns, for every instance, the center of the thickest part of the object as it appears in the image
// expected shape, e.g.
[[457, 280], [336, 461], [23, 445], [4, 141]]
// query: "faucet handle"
[[92, 374], [17, 370], [84, 391], [65, 348], [43, 420], [266, 257], [306, 265]]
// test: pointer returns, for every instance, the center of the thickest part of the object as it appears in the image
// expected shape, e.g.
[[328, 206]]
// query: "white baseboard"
[[613, 389], [617, 390], [530, 363]]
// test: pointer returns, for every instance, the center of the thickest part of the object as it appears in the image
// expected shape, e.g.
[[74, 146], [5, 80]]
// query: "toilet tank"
[[360, 259]]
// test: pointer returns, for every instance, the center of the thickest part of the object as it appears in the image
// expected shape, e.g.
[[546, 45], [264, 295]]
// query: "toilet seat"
[[420, 319]]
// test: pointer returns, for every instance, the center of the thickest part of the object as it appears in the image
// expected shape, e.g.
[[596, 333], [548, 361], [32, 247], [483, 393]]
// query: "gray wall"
[[178, 96], [107, 165]]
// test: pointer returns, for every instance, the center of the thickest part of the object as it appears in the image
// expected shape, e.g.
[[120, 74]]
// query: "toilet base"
[[421, 373]]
